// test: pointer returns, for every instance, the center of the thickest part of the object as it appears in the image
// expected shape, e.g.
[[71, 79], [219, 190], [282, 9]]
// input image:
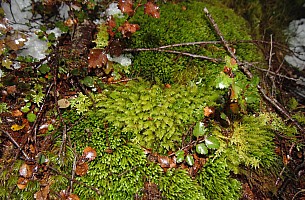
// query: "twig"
[[38, 118], [175, 52], [16, 144], [243, 68], [73, 171], [270, 56]]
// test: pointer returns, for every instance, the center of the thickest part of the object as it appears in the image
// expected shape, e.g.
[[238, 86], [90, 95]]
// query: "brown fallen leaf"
[[81, 168], [22, 183], [152, 10], [126, 7]]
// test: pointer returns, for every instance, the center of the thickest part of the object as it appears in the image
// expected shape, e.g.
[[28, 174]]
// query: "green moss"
[[216, 181], [179, 26], [157, 116], [177, 184]]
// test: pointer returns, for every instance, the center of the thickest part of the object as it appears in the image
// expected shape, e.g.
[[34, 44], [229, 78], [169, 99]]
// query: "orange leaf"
[[208, 111]]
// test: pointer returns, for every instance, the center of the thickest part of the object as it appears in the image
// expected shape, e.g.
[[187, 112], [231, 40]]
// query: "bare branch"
[[16, 144]]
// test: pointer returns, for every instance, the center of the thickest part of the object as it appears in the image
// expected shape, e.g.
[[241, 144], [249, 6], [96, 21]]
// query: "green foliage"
[[179, 26], [102, 37], [251, 143], [216, 182], [3, 107], [121, 167], [177, 184], [158, 116]]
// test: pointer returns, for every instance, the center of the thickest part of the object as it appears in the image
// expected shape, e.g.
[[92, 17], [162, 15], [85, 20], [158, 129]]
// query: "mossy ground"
[[125, 121]]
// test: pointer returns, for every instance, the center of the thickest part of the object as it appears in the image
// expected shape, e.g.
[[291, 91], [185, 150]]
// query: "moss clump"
[[178, 25], [157, 116], [121, 168], [216, 181]]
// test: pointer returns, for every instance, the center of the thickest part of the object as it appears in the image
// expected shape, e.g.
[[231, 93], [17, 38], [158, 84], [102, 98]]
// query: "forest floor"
[[35, 92]]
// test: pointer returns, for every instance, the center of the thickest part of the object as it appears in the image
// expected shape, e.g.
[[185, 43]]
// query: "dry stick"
[[39, 114], [245, 70], [15, 143], [175, 52]]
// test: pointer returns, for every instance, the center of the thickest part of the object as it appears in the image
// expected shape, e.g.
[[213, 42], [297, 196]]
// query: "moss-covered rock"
[[182, 23]]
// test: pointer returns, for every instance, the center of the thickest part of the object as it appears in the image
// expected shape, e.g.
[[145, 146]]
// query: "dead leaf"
[[116, 47], [11, 89], [16, 127], [89, 154], [63, 103], [97, 58], [73, 197], [81, 168], [208, 111], [151, 10], [128, 29], [25, 171], [43, 193], [22, 183], [164, 161], [126, 7], [167, 85], [16, 113], [16, 40]]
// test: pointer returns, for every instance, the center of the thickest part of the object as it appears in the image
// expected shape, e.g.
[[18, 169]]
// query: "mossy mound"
[[182, 23]]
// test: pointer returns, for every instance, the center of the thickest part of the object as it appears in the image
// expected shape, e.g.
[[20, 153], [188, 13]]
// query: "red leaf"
[[152, 10], [126, 7]]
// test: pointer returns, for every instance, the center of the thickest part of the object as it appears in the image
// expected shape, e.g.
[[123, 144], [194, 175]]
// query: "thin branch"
[[270, 56], [175, 52], [243, 68], [16, 144]]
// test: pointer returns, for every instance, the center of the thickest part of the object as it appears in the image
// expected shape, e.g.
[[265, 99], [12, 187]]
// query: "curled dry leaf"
[[97, 58], [151, 10], [126, 7], [25, 171], [128, 29], [89, 153], [22, 183], [81, 168]]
